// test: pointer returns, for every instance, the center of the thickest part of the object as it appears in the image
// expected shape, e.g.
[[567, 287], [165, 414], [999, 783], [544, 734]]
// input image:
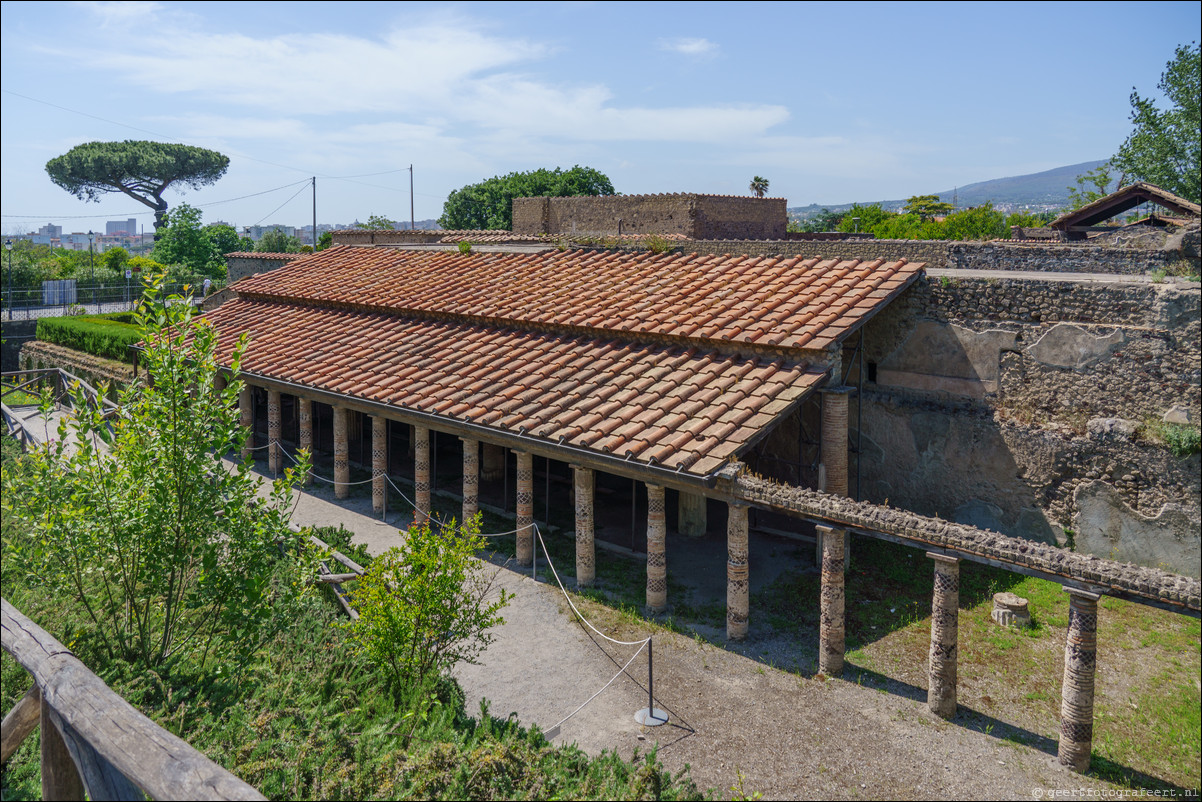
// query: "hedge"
[[107, 336]]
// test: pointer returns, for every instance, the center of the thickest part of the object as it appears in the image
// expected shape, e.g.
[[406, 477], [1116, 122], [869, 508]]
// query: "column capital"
[[943, 558], [837, 389], [1082, 593], [827, 529]]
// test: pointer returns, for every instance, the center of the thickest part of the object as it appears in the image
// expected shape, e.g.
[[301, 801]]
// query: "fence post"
[[60, 778]]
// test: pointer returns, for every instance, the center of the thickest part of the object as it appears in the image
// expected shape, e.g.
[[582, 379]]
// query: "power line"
[[146, 213], [285, 203]]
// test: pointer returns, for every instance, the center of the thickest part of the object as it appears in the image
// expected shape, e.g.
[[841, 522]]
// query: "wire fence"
[[67, 297]]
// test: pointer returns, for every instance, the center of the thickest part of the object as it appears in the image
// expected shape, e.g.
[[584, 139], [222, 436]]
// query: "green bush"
[[107, 336], [1181, 439]]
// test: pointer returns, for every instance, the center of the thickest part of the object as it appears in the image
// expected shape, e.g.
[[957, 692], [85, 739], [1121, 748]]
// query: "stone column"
[[586, 554], [1080, 663], [471, 478], [273, 430], [421, 474], [342, 467], [690, 519], [493, 463], [834, 439], [525, 507], [219, 383], [379, 462], [657, 563], [945, 627], [246, 417], [832, 603], [738, 592], [304, 413]]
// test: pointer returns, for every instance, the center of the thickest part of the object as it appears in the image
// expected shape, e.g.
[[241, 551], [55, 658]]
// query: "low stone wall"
[[1058, 258], [92, 369], [1122, 579]]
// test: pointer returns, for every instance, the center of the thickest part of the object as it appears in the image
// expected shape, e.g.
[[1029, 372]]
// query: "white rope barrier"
[[580, 615]]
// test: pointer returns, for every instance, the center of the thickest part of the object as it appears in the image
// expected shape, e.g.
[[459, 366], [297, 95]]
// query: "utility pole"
[[314, 180], [411, 218]]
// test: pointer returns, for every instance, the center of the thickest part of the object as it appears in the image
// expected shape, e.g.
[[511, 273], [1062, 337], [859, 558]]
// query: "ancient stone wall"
[[1030, 408], [732, 217], [94, 370], [694, 216], [239, 266]]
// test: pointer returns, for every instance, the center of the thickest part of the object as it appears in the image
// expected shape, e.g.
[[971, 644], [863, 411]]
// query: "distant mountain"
[[1048, 189]]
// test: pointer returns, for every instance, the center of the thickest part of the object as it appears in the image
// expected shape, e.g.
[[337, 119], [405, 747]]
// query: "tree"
[[276, 241], [926, 206], [489, 204], [759, 185], [224, 239], [863, 218], [325, 241], [1091, 186], [142, 170], [183, 242], [1165, 147], [160, 546], [378, 222]]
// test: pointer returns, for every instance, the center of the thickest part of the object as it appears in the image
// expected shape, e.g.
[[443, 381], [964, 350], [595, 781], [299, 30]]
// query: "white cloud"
[[433, 77], [121, 14], [689, 46]]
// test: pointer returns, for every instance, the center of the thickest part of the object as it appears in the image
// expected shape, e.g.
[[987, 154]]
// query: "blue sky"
[[832, 102]]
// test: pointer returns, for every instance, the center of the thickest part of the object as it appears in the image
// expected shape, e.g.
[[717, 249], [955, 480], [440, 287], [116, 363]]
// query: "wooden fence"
[[93, 741]]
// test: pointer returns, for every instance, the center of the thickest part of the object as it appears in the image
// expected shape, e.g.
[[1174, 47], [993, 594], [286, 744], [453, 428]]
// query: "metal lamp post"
[[92, 267], [8, 246]]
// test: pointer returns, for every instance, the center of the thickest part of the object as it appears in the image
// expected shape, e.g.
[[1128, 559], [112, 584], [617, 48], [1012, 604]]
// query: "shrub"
[[423, 607], [465, 246], [158, 545], [1182, 440], [99, 335]]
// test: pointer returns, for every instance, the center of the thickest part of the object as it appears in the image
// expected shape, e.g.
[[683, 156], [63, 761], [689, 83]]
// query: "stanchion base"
[[651, 717]]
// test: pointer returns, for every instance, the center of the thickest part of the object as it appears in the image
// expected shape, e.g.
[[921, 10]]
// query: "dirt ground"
[[742, 726]]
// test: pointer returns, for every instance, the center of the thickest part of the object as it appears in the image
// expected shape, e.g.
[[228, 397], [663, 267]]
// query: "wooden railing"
[[93, 741]]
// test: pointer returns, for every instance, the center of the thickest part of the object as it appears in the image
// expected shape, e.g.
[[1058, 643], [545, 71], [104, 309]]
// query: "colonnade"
[[486, 460]]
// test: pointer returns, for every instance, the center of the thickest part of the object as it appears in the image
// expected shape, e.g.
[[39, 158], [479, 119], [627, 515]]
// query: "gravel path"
[[788, 736]]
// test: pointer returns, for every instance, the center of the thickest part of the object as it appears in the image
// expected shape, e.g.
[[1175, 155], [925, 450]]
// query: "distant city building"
[[129, 227], [51, 230], [256, 232]]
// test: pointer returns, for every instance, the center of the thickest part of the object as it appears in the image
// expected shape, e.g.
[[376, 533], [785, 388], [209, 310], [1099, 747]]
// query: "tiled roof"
[[712, 301], [485, 236], [673, 360], [679, 408]]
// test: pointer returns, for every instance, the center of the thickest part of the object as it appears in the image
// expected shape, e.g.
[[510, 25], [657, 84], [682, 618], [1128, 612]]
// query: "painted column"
[[246, 417], [832, 602], [657, 563], [342, 468], [273, 431], [493, 463], [525, 508], [421, 474], [690, 519], [379, 462], [834, 439], [304, 413], [586, 554], [738, 593], [471, 478], [1080, 664], [945, 627]]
